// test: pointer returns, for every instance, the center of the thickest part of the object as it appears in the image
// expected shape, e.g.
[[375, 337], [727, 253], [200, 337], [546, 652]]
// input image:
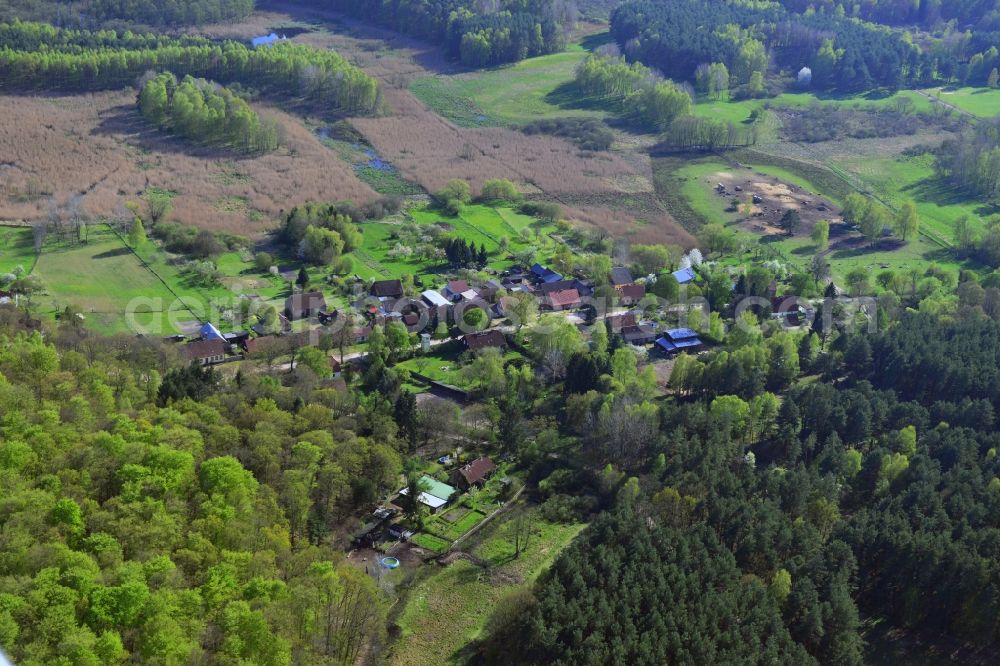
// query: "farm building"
[[473, 473], [300, 306], [435, 494], [204, 352], [387, 289]]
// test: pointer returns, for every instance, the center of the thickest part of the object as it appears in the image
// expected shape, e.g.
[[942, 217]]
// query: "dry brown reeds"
[[97, 146]]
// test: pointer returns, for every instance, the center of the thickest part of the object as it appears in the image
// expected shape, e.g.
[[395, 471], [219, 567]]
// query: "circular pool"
[[389, 562]]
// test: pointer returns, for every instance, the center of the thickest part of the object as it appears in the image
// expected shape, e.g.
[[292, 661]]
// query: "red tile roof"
[[632, 291], [564, 298], [484, 339], [477, 470], [202, 349], [622, 321]]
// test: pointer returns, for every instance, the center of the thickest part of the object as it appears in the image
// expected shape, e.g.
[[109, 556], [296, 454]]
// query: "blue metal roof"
[[676, 334], [690, 342], [551, 277], [667, 345], [210, 332], [685, 275]]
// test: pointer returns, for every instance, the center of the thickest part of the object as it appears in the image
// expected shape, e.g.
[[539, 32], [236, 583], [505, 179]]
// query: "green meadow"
[[535, 88], [739, 111], [982, 102], [17, 248]]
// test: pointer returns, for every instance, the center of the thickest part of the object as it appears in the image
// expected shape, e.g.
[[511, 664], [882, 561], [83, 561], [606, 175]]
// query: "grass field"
[[535, 88], [446, 610], [100, 278], [17, 248], [738, 111], [982, 102], [896, 179], [799, 250], [478, 224]]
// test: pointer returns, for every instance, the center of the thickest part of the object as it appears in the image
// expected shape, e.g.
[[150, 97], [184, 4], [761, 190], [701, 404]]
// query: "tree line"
[[320, 233], [973, 14], [177, 12], [320, 77], [205, 112], [844, 54], [971, 161], [649, 100], [512, 31]]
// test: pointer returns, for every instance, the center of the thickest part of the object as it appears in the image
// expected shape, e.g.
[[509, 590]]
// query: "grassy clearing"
[[447, 609], [443, 364], [798, 250], [739, 111], [17, 248], [100, 278], [535, 88], [896, 179], [982, 102], [479, 224]]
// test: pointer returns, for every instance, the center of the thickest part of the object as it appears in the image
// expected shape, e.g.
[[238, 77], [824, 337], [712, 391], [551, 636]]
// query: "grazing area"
[[540, 87]]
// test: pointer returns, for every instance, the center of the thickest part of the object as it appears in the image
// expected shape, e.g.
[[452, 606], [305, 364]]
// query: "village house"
[[473, 473], [630, 294], [677, 340], [684, 275], [557, 301], [621, 276], [640, 334], [301, 306], [435, 494], [204, 352], [618, 322], [473, 342], [453, 290]]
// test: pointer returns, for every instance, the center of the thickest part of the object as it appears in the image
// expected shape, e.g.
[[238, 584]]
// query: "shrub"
[[500, 189]]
